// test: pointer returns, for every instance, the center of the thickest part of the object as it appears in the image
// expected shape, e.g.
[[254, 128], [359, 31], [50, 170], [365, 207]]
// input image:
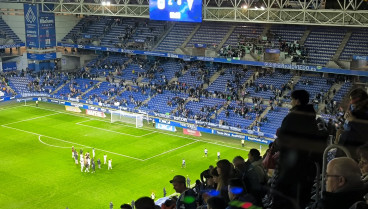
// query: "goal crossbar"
[[127, 117]]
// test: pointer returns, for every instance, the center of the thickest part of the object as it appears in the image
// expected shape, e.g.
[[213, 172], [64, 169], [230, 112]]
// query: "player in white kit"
[[82, 162], [110, 166]]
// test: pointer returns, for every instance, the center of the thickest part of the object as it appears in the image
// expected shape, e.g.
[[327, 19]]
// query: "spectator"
[[225, 171], [362, 153], [246, 172], [145, 203], [356, 122], [179, 183], [343, 184], [216, 203], [300, 147], [237, 192], [125, 206], [254, 157], [206, 173]]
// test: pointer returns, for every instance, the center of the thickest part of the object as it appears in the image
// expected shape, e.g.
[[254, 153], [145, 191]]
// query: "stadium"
[[184, 104]]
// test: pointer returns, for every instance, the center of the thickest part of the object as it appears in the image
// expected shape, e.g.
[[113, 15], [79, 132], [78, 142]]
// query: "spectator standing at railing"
[[300, 147]]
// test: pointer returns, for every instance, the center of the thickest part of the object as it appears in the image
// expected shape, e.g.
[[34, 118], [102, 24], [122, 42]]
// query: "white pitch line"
[[2, 109], [170, 150], [149, 133], [39, 139], [31, 119], [107, 130], [201, 140], [71, 142]]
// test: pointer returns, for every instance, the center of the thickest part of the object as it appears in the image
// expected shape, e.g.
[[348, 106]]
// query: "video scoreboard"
[[176, 10]]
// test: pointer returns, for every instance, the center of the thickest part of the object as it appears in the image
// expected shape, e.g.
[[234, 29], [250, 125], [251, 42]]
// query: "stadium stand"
[[356, 45], [176, 37], [210, 34], [7, 35], [322, 44]]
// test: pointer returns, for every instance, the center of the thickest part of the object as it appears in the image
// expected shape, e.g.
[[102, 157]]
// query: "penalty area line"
[[171, 150], [39, 139], [116, 132], [71, 142], [31, 119], [8, 108]]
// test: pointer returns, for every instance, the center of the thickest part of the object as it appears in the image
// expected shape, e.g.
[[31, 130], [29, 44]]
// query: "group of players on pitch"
[[87, 163]]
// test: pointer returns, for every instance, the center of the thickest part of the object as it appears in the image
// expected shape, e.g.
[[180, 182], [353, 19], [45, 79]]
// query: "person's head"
[[342, 174], [209, 180], [168, 204], [254, 155], [270, 145], [223, 167], [238, 161], [179, 183], [235, 188], [299, 97], [214, 174], [144, 203], [225, 171], [216, 203], [125, 206], [358, 95], [362, 153]]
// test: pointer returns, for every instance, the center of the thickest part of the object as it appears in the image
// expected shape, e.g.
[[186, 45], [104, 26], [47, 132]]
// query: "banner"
[[47, 33], [40, 26], [191, 132], [31, 24], [9, 66], [139, 40], [273, 51], [165, 127], [95, 113], [357, 57], [72, 109], [48, 56], [200, 45]]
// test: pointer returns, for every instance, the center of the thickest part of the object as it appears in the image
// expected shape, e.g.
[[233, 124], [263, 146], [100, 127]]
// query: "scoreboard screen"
[[176, 10]]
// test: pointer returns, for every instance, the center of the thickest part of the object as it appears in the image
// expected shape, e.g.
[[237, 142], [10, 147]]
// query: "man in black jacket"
[[301, 146]]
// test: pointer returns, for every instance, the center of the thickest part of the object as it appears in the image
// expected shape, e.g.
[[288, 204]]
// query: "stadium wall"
[[16, 23], [70, 62], [64, 24]]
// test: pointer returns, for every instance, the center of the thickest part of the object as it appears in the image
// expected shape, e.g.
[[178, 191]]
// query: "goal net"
[[127, 117]]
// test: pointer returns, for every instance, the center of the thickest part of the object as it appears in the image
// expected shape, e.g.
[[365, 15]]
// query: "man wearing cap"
[[187, 196]]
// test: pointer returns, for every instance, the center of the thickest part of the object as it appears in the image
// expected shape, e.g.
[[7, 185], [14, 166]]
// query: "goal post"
[[127, 117]]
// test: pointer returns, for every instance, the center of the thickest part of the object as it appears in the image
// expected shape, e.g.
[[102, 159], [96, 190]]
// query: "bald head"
[[342, 174], [345, 166]]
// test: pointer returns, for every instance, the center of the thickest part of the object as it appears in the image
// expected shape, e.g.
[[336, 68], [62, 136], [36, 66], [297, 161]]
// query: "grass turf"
[[37, 170]]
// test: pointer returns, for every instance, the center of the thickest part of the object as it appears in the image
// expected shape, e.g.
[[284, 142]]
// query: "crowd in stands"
[[4, 91], [148, 78], [298, 53], [285, 175]]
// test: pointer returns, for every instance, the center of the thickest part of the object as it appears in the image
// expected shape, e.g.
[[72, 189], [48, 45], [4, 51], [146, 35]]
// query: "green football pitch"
[[37, 169]]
